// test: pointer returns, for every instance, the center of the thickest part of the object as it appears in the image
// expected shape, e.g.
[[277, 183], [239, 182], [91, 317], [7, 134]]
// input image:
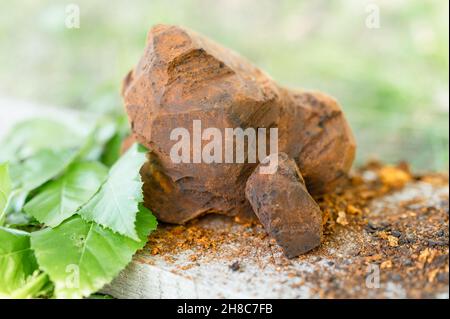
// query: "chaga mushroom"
[[183, 77], [285, 208]]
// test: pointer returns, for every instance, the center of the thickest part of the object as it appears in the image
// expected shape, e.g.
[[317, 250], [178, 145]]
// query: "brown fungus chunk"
[[183, 76], [285, 208]]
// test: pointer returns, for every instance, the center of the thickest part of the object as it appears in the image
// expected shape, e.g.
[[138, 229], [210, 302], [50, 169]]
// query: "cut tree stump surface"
[[396, 246], [224, 259]]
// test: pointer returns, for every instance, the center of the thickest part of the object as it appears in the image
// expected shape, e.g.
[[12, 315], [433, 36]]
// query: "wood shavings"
[[403, 231]]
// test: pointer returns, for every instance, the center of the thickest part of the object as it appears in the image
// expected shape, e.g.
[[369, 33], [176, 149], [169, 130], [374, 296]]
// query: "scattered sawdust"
[[392, 240], [386, 264], [408, 241], [342, 218], [395, 177]]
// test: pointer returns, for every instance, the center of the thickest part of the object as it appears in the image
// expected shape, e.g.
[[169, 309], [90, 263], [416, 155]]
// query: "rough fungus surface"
[[285, 208], [181, 77]]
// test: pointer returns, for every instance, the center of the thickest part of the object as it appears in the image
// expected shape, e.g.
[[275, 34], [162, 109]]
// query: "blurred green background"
[[392, 81]]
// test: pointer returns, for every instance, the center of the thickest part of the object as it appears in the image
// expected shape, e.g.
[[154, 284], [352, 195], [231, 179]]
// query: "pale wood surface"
[[265, 272]]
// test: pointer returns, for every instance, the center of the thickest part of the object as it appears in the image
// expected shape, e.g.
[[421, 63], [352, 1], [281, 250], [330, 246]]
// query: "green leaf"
[[36, 285], [5, 185], [111, 152], [37, 169], [87, 256], [18, 268], [105, 140], [59, 199], [116, 203], [95, 143], [20, 220], [28, 137], [5, 189]]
